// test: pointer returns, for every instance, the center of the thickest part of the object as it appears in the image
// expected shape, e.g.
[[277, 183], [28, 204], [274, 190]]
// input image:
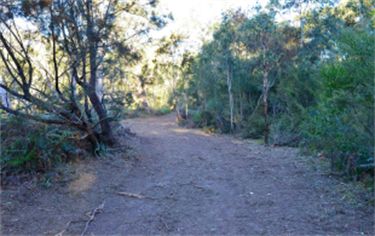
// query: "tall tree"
[[168, 63], [301, 7], [73, 31], [258, 33]]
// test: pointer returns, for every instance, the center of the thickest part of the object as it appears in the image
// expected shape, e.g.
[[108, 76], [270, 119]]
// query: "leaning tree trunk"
[[107, 133]]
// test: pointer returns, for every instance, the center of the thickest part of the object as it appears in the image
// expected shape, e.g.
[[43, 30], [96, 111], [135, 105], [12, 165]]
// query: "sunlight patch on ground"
[[167, 123], [84, 182], [189, 131]]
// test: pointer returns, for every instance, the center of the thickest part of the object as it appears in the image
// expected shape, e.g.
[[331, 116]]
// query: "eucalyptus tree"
[[208, 71], [145, 77], [258, 33], [168, 63], [301, 7], [72, 32], [365, 9], [224, 37]]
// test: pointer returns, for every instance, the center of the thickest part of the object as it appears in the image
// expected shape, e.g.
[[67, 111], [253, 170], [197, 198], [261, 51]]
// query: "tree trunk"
[[4, 96], [178, 117], [302, 34], [73, 83], [107, 133], [99, 85], [205, 101], [229, 83], [86, 102], [360, 11], [186, 100], [241, 107], [215, 86], [301, 23], [265, 96], [49, 84], [142, 96]]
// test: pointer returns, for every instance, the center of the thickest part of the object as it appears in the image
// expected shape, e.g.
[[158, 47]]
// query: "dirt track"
[[194, 183], [212, 184]]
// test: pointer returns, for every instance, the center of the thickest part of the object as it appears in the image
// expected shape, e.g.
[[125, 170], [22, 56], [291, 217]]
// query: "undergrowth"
[[29, 147]]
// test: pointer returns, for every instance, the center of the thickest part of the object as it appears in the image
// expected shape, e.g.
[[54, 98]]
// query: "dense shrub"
[[342, 125], [33, 146], [254, 126]]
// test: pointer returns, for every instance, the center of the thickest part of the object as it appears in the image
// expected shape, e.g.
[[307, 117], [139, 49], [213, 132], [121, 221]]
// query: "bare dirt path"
[[213, 184], [197, 183]]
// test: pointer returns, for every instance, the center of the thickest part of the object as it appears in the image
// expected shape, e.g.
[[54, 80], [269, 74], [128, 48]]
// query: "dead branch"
[[134, 195], [130, 195], [200, 187], [96, 210]]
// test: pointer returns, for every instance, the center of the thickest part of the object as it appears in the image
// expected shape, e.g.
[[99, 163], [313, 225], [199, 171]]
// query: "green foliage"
[[343, 122], [206, 118], [165, 110], [286, 130], [161, 111], [320, 79], [36, 147], [254, 127]]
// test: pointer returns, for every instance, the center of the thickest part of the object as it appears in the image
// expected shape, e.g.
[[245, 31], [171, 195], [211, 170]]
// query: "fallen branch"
[[134, 195], [83, 137], [200, 187], [96, 210], [130, 195]]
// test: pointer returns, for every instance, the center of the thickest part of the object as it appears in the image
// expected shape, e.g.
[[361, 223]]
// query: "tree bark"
[[241, 107], [142, 95], [302, 34], [229, 83], [360, 11], [143, 98], [99, 85], [265, 96], [107, 133], [4, 96], [301, 23], [73, 84], [176, 105]]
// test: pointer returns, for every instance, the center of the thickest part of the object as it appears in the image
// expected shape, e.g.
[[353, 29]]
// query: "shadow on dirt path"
[[197, 183], [213, 184]]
